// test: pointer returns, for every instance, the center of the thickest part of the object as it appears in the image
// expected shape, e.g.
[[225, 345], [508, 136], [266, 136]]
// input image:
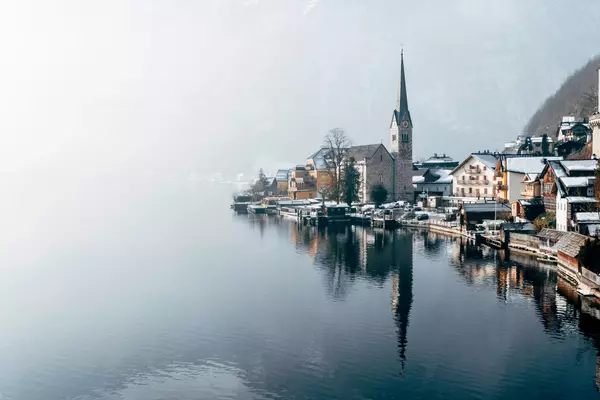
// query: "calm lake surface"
[[169, 295]]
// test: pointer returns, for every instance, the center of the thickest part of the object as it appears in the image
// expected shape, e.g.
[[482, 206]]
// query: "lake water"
[[169, 295]]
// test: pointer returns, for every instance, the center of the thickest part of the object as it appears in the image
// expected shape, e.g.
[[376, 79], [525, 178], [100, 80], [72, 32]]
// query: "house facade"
[[282, 178], [568, 188], [514, 169], [475, 177], [595, 124], [432, 182], [437, 162]]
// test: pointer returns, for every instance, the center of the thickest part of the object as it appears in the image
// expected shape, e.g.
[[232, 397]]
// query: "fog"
[[124, 89]]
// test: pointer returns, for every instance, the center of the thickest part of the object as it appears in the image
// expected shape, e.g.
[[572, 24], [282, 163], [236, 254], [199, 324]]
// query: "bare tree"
[[337, 142]]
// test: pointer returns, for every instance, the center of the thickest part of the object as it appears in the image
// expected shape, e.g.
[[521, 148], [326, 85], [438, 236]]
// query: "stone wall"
[[404, 187], [380, 170]]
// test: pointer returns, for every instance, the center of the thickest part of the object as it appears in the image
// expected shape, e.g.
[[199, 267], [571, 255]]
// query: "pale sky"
[[128, 87]]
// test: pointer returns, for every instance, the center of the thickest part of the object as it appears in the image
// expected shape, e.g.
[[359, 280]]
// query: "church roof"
[[364, 151], [401, 113]]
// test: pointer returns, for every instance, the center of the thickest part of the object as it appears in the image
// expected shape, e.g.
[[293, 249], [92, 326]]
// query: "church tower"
[[401, 136]]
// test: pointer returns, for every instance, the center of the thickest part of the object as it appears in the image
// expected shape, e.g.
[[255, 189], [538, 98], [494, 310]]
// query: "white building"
[[475, 176], [432, 182]]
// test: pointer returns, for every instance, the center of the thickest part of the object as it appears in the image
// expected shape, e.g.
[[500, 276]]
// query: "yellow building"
[[307, 181], [302, 186], [283, 177]]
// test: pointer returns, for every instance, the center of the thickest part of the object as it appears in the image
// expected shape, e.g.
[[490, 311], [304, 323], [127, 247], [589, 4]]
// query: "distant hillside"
[[578, 96]]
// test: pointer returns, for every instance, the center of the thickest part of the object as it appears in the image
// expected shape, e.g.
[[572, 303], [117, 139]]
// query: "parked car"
[[409, 215], [450, 217], [417, 209], [423, 217]]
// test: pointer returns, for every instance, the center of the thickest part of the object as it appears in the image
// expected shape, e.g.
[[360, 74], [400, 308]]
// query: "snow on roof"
[[579, 165], [593, 229], [488, 159], [581, 199], [578, 181], [418, 179], [530, 178], [486, 207], [539, 139], [588, 216], [526, 165]]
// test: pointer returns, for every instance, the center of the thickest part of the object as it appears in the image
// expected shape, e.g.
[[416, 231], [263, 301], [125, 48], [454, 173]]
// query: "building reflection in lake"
[[347, 254], [350, 253]]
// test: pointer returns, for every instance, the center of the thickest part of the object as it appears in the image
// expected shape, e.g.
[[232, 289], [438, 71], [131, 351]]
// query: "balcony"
[[501, 187], [474, 182], [473, 170]]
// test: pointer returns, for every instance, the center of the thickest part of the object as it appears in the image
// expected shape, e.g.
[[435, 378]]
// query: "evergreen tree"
[[545, 146], [379, 194], [350, 182]]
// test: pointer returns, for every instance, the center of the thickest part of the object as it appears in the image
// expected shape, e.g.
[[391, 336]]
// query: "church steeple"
[[402, 112]]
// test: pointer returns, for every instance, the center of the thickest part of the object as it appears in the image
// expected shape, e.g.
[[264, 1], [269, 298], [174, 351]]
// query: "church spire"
[[402, 100]]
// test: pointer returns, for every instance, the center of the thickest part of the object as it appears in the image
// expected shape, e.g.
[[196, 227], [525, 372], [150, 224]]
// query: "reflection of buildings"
[[559, 307], [345, 253]]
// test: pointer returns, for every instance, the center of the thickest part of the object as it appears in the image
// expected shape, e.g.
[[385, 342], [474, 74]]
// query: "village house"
[[531, 145], [567, 251], [437, 162], [475, 213], [475, 178], [548, 238], [568, 188], [283, 177], [302, 185], [587, 223], [513, 170], [430, 182], [595, 124]]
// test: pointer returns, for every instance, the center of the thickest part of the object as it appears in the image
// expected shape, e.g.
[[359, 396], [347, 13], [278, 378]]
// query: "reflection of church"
[[402, 281]]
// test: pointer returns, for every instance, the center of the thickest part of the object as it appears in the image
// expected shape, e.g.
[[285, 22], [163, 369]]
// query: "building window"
[[470, 190], [484, 168], [405, 138], [485, 191], [393, 138], [381, 157]]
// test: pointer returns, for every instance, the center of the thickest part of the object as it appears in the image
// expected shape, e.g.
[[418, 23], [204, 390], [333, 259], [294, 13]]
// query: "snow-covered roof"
[[576, 181], [488, 159], [418, 179], [579, 165], [527, 165], [444, 175], [587, 216], [530, 178], [593, 229], [581, 199], [282, 175], [539, 139]]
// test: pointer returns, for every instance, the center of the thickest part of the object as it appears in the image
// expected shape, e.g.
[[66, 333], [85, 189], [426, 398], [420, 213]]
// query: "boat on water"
[[291, 208], [241, 203], [329, 214], [267, 206]]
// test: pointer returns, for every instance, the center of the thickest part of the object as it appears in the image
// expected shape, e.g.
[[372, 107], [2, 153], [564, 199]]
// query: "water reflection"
[[347, 254]]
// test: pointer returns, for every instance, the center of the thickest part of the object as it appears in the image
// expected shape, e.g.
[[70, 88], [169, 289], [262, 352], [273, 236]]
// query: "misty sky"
[[128, 87]]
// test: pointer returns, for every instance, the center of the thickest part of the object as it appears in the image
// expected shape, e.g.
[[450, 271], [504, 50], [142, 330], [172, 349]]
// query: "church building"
[[401, 137]]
